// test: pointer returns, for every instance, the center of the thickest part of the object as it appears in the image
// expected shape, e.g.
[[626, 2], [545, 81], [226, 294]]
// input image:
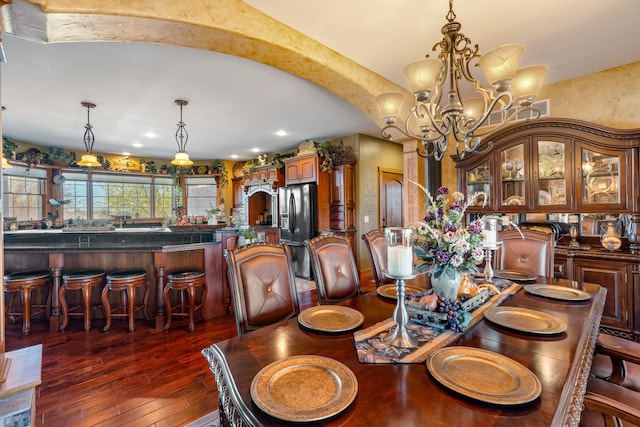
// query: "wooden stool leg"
[[167, 307], [26, 309], [205, 289], [63, 306], [86, 297], [12, 301], [131, 296], [145, 307], [106, 308], [191, 290]]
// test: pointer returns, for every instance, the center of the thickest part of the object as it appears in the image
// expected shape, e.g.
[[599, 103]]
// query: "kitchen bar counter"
[[157, 251]]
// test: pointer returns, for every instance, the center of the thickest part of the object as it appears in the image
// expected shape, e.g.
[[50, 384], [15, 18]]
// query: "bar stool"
[[184, 281], [80, 280], [125, 281], [24, 282]]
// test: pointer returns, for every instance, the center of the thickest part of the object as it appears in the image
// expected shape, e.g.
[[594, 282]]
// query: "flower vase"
[[447, 284], [611, 239], [212, 220]]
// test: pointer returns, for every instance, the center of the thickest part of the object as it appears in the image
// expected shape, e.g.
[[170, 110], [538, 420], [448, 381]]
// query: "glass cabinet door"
[[603, 174], [512, 176], [478, 181], [552, 183]]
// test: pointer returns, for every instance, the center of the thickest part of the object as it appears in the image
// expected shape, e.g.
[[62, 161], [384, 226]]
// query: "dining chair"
[[526, 251], [263, 287], [334, 268], [376, 248], [613, 391]]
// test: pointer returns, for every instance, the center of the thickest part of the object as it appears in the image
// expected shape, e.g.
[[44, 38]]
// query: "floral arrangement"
[[442, 240], [213, 211]]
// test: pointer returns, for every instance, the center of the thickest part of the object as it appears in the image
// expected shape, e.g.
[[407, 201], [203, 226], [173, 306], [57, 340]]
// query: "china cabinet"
[[555, 166]]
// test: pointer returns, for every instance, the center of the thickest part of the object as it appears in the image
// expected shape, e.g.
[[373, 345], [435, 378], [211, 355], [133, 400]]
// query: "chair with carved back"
[[613, 392], [376, 248], [334, 268], [528, 251], [262, 282]]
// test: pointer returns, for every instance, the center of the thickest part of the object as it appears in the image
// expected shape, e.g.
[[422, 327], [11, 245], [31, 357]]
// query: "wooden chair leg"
[[191, 290]]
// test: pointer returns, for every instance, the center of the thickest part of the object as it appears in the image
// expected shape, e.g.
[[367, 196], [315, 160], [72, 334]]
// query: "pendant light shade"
[[181, 158], [89, 159]]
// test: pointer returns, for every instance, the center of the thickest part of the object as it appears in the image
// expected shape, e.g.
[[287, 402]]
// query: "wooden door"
[[391, 193]]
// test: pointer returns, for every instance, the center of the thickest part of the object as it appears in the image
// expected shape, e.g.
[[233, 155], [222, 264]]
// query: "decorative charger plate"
[[525, 320], [483, 375], [563, 293], [304, 388], [516, 276], [330, 318], [389, 291]]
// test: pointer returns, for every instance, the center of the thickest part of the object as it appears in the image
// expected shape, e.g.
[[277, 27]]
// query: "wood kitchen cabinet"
[[343, 203], [301, 169]]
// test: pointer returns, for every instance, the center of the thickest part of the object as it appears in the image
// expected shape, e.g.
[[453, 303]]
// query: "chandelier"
[[436, 116], [89, 159], [181, 158]]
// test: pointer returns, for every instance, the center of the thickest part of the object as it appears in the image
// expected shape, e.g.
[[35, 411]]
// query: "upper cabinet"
[[555, 166], [301, 169]]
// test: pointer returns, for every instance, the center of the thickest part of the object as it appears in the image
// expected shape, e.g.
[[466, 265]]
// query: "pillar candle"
[[489, 236], [400, 260]]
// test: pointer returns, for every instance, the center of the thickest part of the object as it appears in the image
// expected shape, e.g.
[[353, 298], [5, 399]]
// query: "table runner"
[[371, 348]]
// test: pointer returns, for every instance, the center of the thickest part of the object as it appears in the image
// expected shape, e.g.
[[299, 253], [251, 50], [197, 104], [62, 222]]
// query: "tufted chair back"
[[376, 247], [533, 254], [334, 268], [263, 286]]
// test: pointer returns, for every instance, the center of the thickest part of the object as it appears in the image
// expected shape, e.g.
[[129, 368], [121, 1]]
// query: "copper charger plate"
[[483, 375], [563, 293], [330, 318], [525, 320], [389, 291], [304, 388], [516, 276]]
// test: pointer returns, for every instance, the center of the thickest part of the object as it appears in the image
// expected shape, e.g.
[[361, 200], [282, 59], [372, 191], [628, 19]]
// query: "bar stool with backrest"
[[263, 285], [334, 268], [189, 282], [84, 281], [23, 283], [125, 282]]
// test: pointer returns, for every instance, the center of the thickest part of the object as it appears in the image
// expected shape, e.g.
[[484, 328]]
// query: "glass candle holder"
[[399, 243], [490, 231]]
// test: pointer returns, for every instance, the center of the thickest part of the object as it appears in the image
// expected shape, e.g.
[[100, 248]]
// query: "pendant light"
[[181, 158], [89, 159]]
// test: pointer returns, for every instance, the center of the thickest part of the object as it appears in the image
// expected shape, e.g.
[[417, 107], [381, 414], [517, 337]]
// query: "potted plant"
[[247, 235], [212, 214], [223, 175], [334, 154]]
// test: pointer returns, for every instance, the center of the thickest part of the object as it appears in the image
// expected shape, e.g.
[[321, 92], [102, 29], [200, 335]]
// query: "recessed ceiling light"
[[150, 135], [124, 153], [137, 144], [234, 156], [255, 150], [282, 132]]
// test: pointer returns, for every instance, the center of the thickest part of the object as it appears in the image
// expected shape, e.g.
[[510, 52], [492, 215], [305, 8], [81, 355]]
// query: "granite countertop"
[[121, 239]]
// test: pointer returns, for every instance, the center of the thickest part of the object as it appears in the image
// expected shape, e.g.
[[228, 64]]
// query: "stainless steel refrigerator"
[[298, 222]]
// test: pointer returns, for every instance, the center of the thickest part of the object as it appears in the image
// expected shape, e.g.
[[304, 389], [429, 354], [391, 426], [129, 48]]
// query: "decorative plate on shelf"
[[514, 201], [304, 388], [484, 375], [237, 169]]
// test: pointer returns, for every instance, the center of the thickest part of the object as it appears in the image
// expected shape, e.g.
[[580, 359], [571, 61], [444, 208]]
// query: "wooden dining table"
[[407, 394]]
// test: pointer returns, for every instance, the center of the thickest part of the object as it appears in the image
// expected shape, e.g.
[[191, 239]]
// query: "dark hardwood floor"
[[145, 378]]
